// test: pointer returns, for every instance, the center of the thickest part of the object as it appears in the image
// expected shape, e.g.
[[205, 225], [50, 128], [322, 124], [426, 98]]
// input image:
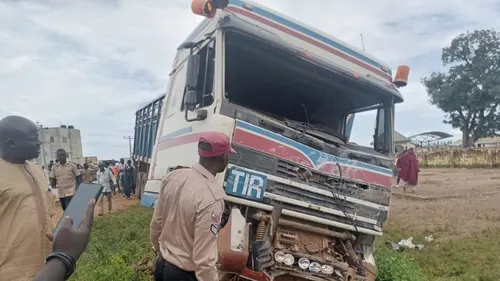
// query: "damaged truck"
[[303, 202]]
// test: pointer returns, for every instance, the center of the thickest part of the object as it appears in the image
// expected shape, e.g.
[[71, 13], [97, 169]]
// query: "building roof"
[[398, 137], [429, 137], [488, 140]]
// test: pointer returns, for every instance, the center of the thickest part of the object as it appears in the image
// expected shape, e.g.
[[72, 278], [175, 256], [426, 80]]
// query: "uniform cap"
[[213, 144]]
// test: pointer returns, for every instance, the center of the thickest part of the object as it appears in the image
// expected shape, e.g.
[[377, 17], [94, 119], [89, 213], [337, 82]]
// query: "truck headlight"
[[289, 259], [279, 256], [304, 263], [327, 269], [315, 267]]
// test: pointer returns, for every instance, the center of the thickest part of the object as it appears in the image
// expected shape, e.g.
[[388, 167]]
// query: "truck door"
[[177, 140]]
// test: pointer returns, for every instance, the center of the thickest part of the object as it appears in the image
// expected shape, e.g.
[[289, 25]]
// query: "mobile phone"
[[78, 205]]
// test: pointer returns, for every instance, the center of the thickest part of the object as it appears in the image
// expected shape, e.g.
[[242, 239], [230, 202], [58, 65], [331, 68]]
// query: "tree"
[[469, 93]]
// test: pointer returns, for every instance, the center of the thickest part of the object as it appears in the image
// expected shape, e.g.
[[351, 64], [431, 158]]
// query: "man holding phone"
[[26, 206], [66, 177], [69, 244]]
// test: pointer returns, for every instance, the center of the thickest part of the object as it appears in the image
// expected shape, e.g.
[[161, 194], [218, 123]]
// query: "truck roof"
[[319, 45], [328, 46], [310, 35]]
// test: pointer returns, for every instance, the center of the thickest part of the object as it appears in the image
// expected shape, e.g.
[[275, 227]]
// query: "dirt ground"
[[448, 203], [118, 203]]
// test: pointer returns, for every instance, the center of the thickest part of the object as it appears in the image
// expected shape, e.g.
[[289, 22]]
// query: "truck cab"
[[302, 200]]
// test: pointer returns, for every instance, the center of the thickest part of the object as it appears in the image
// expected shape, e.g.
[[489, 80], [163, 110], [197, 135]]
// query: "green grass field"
[[119, 242], [120, 250]]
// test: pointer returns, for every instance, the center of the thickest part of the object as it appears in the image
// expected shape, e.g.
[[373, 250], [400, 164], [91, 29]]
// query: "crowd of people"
[[115, 177], [183, 230]]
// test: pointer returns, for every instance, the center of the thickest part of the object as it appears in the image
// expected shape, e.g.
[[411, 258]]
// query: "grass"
[[120, 251], [118, 244], [475, 258]]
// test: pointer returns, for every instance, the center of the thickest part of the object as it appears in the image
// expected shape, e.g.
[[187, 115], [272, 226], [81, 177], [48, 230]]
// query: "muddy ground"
[[448, 203], [118, 203]]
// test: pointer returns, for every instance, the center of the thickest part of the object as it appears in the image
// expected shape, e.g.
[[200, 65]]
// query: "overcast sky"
[[93, 63]]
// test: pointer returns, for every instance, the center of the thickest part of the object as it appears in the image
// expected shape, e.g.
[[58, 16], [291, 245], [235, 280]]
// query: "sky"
[[93, 64]]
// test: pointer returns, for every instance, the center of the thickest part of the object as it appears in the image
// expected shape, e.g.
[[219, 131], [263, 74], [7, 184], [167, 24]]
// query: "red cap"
[[218, 144]]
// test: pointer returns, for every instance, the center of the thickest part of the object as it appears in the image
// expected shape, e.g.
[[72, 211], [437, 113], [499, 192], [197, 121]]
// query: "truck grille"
[[286, 170], [333, 197]]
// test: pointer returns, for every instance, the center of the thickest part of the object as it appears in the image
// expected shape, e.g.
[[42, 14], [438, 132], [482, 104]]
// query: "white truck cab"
[[302, 201]]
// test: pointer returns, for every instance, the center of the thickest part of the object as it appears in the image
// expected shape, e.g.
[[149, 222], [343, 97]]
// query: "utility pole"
[[129, 138]]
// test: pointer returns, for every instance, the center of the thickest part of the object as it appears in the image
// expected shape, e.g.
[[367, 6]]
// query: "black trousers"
[[165, 271], [65, 202]]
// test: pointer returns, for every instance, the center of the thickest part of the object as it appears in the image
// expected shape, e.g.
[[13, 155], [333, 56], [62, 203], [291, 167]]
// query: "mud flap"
[[262, 254], [232, 243]]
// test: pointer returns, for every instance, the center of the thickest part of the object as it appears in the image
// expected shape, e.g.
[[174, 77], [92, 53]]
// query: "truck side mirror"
[[192, 72], [190, 100], [190, 105]]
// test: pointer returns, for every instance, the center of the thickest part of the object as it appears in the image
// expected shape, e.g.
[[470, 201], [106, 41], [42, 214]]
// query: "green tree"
[[469, 93]]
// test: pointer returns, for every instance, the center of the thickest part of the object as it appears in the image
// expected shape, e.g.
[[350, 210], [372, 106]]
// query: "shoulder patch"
[[216, 217]]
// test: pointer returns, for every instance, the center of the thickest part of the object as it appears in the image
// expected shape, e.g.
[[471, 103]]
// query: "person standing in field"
[[398, 165], [65, 177], [87, 174], [121, 171], [26, 207], [188, 213], [409, 169], [130, 174], [107, 180], [116, 174], [127, 177]]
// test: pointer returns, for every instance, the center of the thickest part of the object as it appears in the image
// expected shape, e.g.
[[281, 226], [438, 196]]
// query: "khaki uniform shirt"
[[186, 221], [26, 210], [66, 178], [87, 175]]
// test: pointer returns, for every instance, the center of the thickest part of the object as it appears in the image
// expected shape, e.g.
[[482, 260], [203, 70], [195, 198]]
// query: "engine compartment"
[[281, 247]]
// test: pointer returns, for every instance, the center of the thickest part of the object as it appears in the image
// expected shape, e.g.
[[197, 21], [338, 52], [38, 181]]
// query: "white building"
[[401, 142], [488, 142], [65, 137]]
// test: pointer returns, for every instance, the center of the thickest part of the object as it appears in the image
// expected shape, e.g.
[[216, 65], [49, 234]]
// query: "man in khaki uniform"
[[65, 177], [26, 206], [87, 174], [188, 214]]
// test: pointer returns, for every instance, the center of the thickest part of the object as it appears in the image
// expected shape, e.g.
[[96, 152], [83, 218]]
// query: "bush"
[[119, 249], [395, 266]]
